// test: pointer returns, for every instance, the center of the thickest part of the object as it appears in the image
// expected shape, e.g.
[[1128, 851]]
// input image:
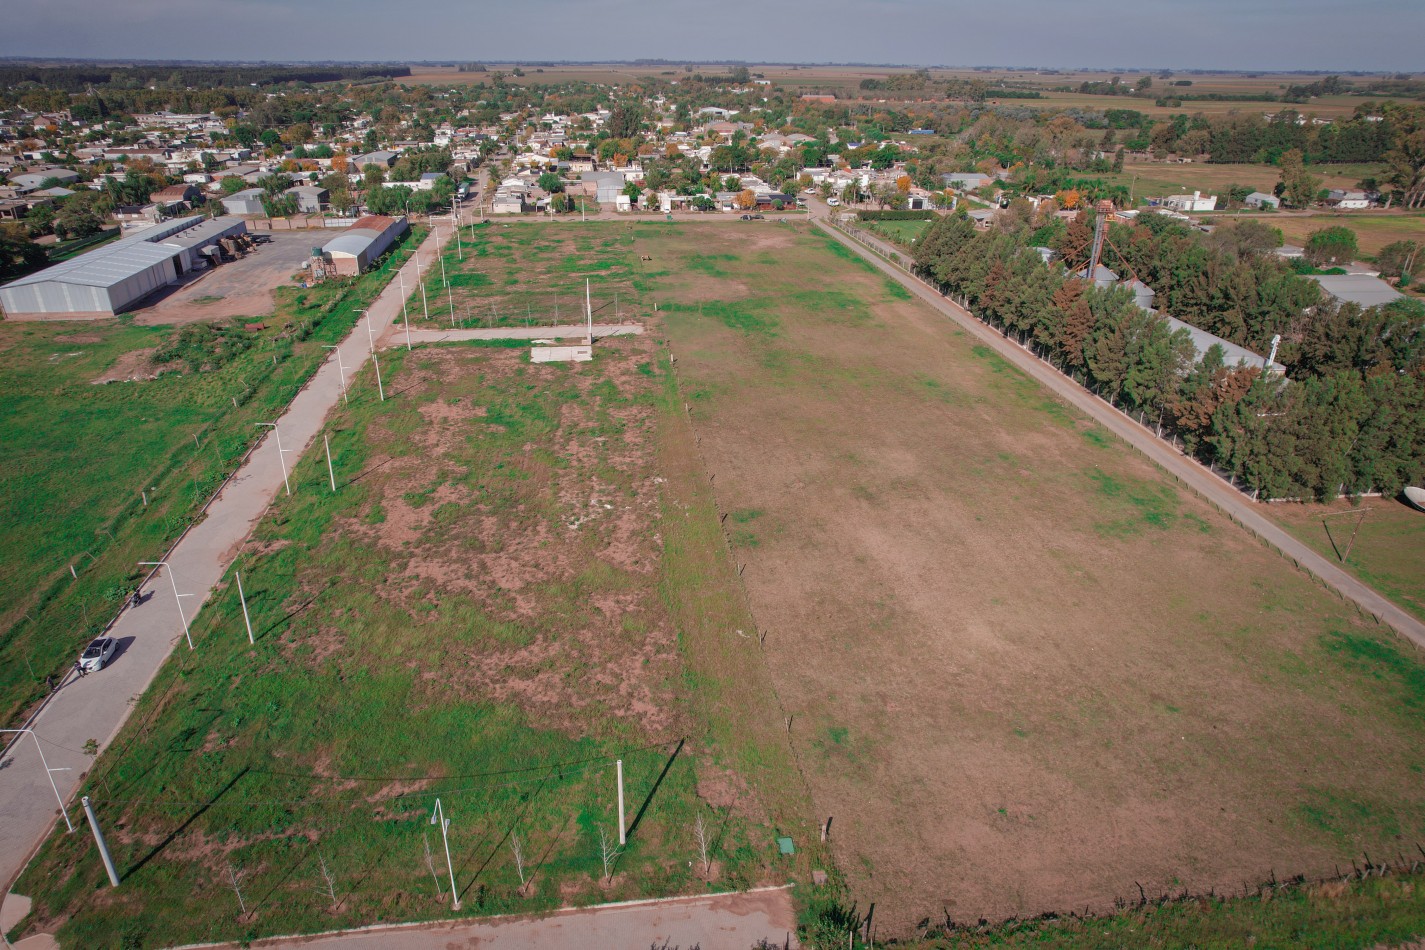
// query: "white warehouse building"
[[112, 278]]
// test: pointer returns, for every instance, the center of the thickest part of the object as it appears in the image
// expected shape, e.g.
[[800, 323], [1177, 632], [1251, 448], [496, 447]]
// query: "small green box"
[[785, 846]]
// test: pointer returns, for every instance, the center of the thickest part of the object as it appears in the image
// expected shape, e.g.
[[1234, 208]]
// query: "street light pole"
[[49, 773], [340, 369], [371, 339], [177, 597], [401, 275], [281, 454], [438, 817]]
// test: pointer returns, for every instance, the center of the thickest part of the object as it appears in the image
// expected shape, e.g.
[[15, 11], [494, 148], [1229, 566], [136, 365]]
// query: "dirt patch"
[[132, 366], [81, 338], [550, 541]]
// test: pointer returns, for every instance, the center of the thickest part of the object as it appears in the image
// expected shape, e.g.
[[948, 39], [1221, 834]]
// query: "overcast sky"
[[1183, 34]]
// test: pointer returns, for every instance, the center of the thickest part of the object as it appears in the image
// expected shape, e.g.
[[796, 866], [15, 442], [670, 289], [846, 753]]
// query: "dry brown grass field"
[[1022, 669]]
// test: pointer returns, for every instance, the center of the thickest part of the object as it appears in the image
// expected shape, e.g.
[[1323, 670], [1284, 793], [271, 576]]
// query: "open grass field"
[[520, 580], [1388, 551], [904, 233], [1156, 179], [523, 275], [78, 453], [1023, 670], [1374, 230]]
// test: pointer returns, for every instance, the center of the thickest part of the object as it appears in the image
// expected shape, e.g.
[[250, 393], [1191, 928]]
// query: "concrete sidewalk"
[[96, 706], [720, 922]]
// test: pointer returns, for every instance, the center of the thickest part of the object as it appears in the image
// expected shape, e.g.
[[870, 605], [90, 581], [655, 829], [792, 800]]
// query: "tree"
[[633, 191], [1328, 247], [551, 182], [1405, 161], [625, 120], [746, 200], [1400, 260], [1299, 187], [18, 254]]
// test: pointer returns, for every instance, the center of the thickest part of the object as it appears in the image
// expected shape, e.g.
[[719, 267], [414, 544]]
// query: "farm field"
[[1022, 669], [81, 454], [1374, 230], [1389, 547], [488, 612], [1156, 179]]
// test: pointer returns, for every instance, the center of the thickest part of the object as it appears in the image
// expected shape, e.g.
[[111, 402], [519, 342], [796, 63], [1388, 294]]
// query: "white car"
[[96, 654], [833, 202]]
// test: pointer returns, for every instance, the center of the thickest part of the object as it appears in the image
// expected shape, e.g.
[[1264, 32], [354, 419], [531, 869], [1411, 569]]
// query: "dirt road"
[[721, 922], [1185, 470]]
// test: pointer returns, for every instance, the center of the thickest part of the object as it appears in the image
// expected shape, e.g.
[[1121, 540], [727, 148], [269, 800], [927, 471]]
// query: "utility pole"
[[622, 834], [326, 443], [401, 276], [242, 599], [99, 840]]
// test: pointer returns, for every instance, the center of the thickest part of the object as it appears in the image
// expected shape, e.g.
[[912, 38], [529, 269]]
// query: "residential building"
[[1260, 199], [1192, 203], [247, 201]]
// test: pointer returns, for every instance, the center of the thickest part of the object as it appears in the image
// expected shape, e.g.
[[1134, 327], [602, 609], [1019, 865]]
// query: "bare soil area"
[[241, 288], [1023, 670], [554, 543]]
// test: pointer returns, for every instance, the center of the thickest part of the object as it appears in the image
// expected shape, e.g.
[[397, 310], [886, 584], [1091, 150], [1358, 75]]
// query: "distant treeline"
[[80, 78]]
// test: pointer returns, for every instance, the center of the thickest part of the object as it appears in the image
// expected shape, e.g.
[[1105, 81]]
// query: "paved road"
[[1189, 472], [723, 922], [97, 705]]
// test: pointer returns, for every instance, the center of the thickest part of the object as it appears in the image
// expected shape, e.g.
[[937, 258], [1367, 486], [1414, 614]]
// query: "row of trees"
[[1351, 418]]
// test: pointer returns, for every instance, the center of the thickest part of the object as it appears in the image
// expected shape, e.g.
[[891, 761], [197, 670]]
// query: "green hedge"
[[896, 215]]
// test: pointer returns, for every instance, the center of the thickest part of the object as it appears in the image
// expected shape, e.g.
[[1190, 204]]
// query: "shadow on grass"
[[173, 835], [667, 766]]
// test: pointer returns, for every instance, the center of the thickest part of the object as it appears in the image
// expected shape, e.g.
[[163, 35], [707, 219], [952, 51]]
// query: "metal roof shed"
[[1360, 289], [105, 281]]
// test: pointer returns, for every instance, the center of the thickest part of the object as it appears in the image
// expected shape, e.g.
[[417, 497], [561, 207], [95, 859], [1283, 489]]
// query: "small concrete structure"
[[582, 353]]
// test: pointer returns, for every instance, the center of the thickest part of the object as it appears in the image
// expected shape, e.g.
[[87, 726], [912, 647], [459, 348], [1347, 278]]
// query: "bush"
[[896, 215]]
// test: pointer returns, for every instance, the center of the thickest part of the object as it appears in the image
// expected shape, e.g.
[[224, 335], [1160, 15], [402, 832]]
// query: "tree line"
[[1349, 416]]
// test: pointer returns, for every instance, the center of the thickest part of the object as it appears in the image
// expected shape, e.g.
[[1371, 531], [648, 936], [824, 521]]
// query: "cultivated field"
[[1023, 670], [519, 580]]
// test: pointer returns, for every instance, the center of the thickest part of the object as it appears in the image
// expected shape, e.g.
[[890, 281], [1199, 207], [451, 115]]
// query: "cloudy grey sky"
[[1212, 34]]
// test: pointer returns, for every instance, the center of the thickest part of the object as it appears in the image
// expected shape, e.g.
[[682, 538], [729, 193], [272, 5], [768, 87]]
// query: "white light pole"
[[281, 454], [443, 280], [401, 275], [242, 599], [622, 835], [371, 339], [177, 597], [438, 817], [49, 773], [340, 369]]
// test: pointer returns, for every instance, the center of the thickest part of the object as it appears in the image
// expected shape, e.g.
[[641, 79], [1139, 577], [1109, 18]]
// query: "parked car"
[[96, 654]]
